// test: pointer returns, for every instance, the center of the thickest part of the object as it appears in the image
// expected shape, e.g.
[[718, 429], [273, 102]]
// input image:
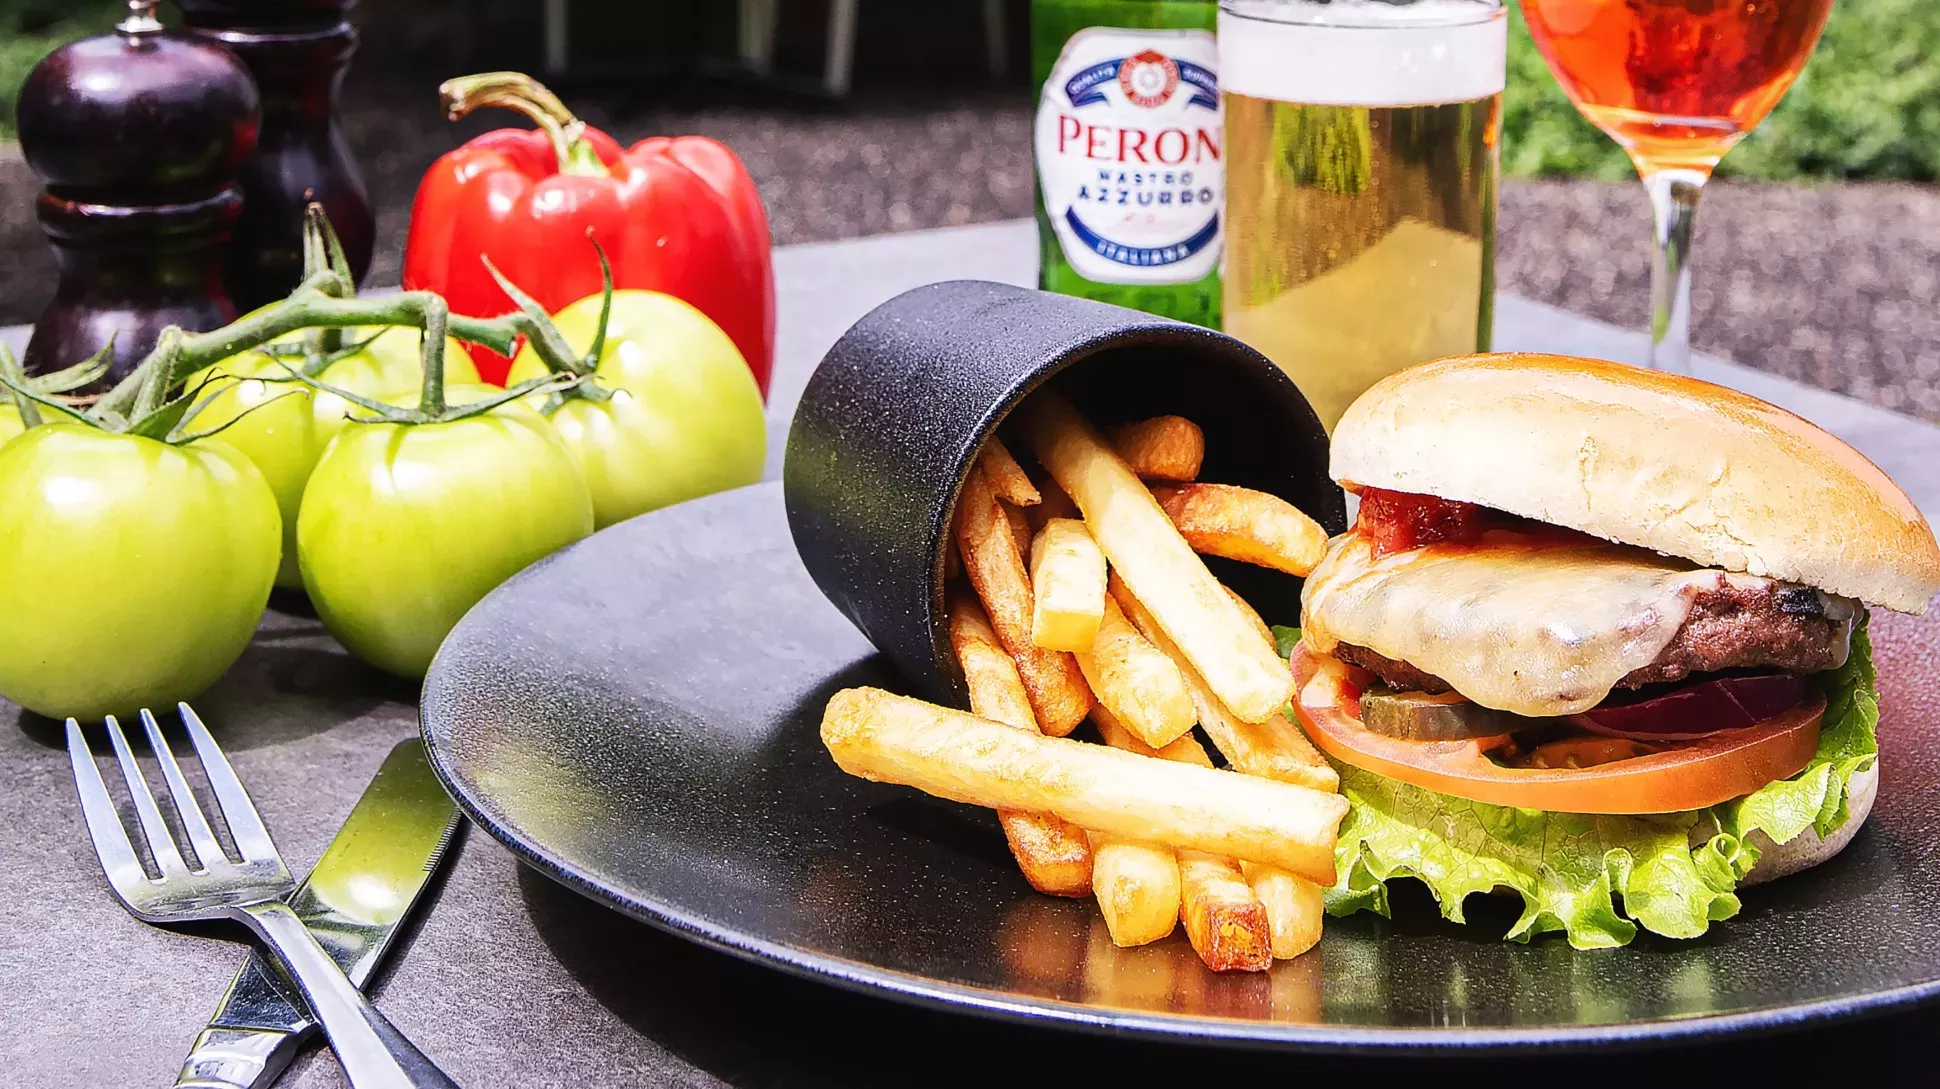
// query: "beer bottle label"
[[1128, 155]]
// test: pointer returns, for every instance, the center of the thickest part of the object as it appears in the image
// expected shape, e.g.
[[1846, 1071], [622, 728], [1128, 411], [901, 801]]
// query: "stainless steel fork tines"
[[248, 889]]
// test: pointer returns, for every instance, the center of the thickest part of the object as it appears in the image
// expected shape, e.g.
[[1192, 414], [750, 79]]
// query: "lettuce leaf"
[[1285, 639], [1599, 878], [1816, 797]]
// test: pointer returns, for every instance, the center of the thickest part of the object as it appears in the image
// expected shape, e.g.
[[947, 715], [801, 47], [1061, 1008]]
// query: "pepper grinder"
[[137, 135], [297, 50]]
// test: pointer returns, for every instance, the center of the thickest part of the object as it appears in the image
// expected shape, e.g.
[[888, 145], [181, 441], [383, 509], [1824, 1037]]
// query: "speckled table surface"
[[510, 980]]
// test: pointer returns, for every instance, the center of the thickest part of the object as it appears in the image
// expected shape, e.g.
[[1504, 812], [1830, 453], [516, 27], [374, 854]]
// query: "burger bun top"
[[1644, 458]]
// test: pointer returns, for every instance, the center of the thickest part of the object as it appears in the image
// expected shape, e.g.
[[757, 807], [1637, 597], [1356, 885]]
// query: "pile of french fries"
[[1087, 599]]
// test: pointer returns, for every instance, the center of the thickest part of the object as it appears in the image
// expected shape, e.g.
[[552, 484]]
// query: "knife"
[[354, 901]]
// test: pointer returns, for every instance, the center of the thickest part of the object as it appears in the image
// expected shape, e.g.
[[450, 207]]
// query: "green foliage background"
[[30, 29], [1866, 106]]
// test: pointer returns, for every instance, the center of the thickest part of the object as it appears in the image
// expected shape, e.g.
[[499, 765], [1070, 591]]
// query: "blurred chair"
[[558, 42], [759, 19]]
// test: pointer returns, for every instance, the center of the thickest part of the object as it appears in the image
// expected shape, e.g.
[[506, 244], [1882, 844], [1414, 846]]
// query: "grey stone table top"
[[510, 980]]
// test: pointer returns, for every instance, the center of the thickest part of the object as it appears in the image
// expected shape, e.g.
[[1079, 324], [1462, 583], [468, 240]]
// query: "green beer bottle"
[[1130, 182]]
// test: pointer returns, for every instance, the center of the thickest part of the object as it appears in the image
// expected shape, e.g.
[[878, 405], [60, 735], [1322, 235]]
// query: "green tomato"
[[283, 427], [685, 419], [132, 573], [404, 527], [273, 425], [9, 423]]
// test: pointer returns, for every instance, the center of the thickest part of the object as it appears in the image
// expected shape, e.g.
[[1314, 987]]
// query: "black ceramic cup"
[[894, 417]]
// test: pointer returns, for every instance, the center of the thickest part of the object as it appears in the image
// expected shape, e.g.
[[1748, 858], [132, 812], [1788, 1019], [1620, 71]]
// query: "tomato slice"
[[1686, 776]]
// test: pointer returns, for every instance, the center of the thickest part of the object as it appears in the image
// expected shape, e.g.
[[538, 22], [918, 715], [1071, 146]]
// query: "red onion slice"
[[1698, 710]]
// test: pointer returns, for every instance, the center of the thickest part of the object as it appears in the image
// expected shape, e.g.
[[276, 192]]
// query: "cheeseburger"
[[1598, 638]]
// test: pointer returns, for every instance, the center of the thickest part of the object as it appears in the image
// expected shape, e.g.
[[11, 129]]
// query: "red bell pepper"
[[675, 214]]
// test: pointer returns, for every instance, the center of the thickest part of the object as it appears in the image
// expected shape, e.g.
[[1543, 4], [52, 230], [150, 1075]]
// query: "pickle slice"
[[1446, 716]]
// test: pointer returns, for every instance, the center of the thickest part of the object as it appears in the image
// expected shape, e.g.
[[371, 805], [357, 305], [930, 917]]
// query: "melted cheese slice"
[[1511, 622]]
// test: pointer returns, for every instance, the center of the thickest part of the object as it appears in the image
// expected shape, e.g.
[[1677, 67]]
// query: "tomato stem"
[[326, 300], [11, 372], [323, 255], [431, 349], [324, 263], [549, 343], [152, 392], [606, 304]]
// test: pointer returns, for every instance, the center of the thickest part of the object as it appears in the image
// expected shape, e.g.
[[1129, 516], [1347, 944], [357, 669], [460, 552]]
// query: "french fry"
[[952, 559], [1007, 478], [1226, 924], [1293, 908], [1136, 681], [1067, 586], [1184, 749], [1055, 504], [1155, 561], [1057, 690], [1053, 854], [1247, 610], [1021, 532], [1245, 525], [1161, 448], [1272, 749], [1137, 886], [996, 690], [884, 737]]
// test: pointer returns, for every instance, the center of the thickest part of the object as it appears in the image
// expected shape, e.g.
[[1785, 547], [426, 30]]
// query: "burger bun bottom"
[[1803, 851], [1808, 848]]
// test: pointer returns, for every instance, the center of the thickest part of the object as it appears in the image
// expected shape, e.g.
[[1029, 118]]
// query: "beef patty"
[[1769, 625]]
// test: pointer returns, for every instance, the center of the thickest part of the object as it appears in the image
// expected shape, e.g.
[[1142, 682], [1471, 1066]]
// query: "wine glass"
[[1676, 83]]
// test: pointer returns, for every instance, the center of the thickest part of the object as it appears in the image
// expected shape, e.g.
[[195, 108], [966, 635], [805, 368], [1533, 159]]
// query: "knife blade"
[[354, 901]]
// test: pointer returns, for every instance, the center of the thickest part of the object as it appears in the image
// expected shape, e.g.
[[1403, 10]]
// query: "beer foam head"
[[1362, 52]]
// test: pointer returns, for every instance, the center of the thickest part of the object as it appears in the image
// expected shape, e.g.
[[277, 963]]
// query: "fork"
[[375, 1055]]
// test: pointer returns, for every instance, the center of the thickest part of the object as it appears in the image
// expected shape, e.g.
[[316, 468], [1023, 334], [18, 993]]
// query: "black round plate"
[[637, 718]]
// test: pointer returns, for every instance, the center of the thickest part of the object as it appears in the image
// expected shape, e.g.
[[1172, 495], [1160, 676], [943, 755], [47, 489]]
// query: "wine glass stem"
[[1673, 201]]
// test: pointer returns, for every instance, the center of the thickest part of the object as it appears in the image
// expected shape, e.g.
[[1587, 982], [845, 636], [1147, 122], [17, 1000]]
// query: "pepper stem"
[[520, 92]]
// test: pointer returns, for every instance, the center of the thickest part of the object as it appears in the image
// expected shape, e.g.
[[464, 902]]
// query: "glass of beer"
[[1676, 83], [1361, 163]]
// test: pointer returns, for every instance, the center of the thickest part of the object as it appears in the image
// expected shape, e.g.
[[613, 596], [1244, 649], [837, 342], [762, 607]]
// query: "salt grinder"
[[297, 51], [137, 135]]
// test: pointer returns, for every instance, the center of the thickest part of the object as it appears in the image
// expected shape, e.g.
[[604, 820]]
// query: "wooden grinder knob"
[[138, 136]]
